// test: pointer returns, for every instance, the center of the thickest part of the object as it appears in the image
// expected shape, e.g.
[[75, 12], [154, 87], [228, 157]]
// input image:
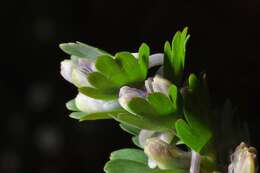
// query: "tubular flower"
[[157, 84], [90, 105], [165, 155], [126, 94], [75, 71], [243, 160]]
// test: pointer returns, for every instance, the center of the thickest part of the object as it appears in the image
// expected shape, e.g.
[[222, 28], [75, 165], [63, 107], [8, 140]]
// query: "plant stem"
[[195, 162]]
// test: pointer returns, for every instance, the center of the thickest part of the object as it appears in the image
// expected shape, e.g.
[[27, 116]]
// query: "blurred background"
[[36, 133]]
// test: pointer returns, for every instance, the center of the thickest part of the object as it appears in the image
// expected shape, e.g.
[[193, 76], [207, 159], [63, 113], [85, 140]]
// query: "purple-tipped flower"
[[243, 160], [75, 71], [90, 105], [126, 94], [157, 84]]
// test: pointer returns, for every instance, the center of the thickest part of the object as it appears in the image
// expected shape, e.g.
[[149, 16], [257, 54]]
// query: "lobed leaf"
[[130, 129], [126, 166], [81, 50], [99, 93], [71, 105], [143, 59], [161, 103], [129, 154]]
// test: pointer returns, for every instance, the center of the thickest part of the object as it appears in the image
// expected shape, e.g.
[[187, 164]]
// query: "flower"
[[90, 105], [166, 156], [127, 93], [157, 84], [243, 160], [154, 59], [75, 71]]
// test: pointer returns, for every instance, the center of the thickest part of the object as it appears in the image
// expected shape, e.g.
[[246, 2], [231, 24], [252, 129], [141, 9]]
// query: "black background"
[[36, 133]]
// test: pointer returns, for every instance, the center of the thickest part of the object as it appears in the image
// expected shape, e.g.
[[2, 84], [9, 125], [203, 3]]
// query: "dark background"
[[36, 133]]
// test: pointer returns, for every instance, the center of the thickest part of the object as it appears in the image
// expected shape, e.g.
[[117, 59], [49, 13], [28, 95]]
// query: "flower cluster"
[[170, 117]]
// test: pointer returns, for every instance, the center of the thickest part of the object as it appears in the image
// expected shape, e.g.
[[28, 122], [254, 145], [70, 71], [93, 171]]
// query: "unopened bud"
[[243, 160], [90, 105], [165, 155]]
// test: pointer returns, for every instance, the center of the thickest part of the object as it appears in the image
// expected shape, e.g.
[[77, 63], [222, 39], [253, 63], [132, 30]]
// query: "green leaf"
[[108, 67], [192, 137], [77, 115], [102, 115], [98, 93], [194, 83], [174, 57], [135, 140], [129, 154], [141, 107], [144, 123], [143, 59], [176, 98], [170, 171], [99, 81], [130, 66], [160, 103], [71, 105], [130, 129], [167, 64], [81, 50], [126, 166]]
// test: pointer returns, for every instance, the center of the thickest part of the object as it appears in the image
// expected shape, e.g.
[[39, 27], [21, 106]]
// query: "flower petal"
[[90, 105], [126, 94], [154, 59], [66, 67]]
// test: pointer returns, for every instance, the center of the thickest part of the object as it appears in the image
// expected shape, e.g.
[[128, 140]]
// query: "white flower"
[[157, 84], [126, 94], [166, 156], [243, 160], [75, 71], [154, 59], [90, 105]]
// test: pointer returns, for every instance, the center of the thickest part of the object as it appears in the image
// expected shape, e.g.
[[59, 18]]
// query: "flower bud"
[[146, 134], [157, 84], [90, 105], [165, 155], [243, 160], [126, 94], [154, 59], [75, 71]]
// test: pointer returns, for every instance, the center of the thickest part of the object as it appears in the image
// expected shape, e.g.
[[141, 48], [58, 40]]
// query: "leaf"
[[143, 59], [81, 50], [126, 166], [141, 107], [77, 115], [143, 123], [194, 83], [167, 64], [135, 140], [71, 105], [98, 93], [176, 98], [174, 57], [108, 67], [191, 136], [130, 66], [130, 129], [99, 81], [170, 171], [129, 154], [102, 115], [160, 103]]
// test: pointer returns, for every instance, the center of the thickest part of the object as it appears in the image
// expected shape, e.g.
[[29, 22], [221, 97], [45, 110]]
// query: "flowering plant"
[[171, 118]]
